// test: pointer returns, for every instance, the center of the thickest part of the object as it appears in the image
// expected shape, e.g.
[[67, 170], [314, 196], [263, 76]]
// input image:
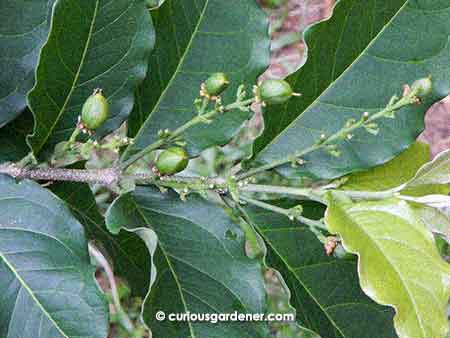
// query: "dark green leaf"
[[194, 39], [127, 252], [356, 62], [201, 269], [24, 27], [325, 290], [47, 283], [92, 44], [13, 145]]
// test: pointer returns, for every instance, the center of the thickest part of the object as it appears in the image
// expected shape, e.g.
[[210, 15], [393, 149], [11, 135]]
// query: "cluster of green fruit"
[[173, 160]]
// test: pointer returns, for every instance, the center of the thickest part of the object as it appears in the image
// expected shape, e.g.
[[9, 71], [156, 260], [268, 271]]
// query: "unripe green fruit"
[[422, 87], [273, 92], [216, 84], [172, 161], [95, 111], [274, 3]]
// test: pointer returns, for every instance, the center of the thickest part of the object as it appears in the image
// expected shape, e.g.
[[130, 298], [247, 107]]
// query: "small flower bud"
[[216, 84], [95, 110], [422, 87], [172, 161], [273, 92]]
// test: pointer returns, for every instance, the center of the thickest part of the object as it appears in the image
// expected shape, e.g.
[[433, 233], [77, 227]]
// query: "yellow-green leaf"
[[434, 172], [434, 219], [398, 172], [398, 263], [392, 174]]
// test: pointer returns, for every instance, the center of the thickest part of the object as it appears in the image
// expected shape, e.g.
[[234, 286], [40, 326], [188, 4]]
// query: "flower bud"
[[422, 87], [172, 161], [272, 92], [95, 110], [216, 84]]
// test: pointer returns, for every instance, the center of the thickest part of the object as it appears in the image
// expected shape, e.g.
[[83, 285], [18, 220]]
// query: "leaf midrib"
[[166, 257], [75, 80], [175, 73], [316, 100], [31, 293], [291, 269]]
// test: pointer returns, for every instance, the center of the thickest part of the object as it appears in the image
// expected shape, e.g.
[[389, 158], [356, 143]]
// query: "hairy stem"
[[100, 176], [200, 118], [339, 135], [125, 321]]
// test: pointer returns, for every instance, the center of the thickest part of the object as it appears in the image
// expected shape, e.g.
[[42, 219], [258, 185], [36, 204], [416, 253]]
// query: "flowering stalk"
[[366, 121], [200, 118]]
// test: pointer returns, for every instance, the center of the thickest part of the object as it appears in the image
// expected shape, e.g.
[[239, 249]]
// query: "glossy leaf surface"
[[92, 44], [200, 267], [24, 27], [325, 290], [356, 62], [196, 38], [47, 282]]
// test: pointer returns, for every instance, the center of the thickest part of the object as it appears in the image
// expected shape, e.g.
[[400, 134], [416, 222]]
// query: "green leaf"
[[434, 172], [153, 4], [435, 201], [194, 39], [47, 283], [391, 174], [356, 62], [325, 290], [126, 251], [24, 30], [201, 268], [395, 173], [13, 145], [434, 219], [92, 44], [399, 264]]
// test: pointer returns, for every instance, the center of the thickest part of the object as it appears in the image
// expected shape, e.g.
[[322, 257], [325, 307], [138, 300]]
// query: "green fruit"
[[95, 110], [273, 92], [274, 3], [422, 87], [216, 84], [172, 161]]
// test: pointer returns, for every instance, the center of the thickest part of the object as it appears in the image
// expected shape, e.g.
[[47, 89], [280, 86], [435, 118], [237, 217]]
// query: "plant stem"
[[316, 194], [340, 134], [124, 320], [181, 182], [367, 195], [200, 118], [315, 226], [100, 176], [281, 190], [74, 135]]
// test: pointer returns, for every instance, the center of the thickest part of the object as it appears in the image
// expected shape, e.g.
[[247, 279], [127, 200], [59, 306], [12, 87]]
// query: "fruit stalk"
[[201, 118]]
